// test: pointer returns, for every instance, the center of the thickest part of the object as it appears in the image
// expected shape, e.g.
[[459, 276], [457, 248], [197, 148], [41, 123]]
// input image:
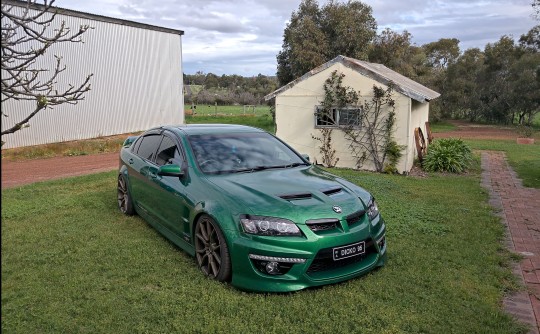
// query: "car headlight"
[[269, 226], [373, 209]]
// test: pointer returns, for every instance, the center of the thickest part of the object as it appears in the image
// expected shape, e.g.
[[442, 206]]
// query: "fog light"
[[273, 265], [272, 268], [382, 244]]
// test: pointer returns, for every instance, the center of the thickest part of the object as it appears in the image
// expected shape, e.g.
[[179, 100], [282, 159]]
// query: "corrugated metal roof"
[[95, 17], [377, 72]]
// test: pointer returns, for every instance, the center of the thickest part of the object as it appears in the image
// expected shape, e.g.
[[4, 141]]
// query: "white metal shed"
[[136, 83]]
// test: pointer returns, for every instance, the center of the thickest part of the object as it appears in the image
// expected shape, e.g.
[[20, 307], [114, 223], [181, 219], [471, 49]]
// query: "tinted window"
[[168, 153], [235, 152], [148, 146], [136, 145]]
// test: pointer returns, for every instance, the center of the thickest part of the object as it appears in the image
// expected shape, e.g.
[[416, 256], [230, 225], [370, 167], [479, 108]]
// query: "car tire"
[[211, 250], [125, 203]]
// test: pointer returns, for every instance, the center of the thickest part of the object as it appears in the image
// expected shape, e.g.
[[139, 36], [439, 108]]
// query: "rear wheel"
[[211, 250], [125, 204]]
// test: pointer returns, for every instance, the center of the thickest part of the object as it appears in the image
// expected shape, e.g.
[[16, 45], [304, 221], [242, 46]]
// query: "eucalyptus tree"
[[463, 88], [315, 35], [396, 51]]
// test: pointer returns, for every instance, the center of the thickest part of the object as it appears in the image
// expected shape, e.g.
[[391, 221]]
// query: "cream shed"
[[296, 103]]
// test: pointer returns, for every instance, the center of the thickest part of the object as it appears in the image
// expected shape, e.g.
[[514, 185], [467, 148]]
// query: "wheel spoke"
[[204, 234], [209, 230], [217, 258], [200, 237], [214, 266]]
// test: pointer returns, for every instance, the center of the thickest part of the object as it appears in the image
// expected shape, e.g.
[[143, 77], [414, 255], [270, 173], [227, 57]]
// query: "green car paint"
[[286, 226]]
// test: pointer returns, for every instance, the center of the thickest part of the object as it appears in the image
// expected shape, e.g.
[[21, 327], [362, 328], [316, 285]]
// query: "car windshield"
[[241, 152]]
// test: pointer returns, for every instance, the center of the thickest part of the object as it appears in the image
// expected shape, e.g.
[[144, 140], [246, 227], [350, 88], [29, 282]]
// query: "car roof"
[[199, 129]]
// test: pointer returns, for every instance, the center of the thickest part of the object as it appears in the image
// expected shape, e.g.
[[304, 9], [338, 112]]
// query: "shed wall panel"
[[136, 84]]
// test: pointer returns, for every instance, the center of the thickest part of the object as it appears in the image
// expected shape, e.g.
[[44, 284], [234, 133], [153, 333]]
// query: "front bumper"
[[306, 261]]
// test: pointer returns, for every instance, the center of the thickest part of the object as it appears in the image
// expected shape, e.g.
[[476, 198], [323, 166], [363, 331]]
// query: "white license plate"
[[343, 252]]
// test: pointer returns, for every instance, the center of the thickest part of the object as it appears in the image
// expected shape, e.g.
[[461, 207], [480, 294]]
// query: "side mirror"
[[170, 170], [305, 156]]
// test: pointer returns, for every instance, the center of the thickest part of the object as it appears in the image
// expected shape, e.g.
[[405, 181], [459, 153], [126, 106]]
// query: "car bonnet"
[[297, 194]]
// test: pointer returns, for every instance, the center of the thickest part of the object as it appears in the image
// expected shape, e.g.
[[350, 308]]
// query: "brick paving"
[[519, 208]]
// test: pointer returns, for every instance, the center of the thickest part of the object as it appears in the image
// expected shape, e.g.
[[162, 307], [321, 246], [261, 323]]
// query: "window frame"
[[337, 116], [153, 156], [181, 157]]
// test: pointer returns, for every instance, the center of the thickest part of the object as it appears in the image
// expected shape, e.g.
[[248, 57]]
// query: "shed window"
[[338, 117]]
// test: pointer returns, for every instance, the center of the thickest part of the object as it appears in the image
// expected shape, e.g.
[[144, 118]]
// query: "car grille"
[[317, 225], [324, 260]]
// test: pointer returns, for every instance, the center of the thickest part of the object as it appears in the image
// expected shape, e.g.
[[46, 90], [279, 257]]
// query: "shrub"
[[525, 131], [447, 155]]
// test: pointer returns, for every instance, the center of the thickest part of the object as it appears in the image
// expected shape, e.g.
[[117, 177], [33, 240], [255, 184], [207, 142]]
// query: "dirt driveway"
[[465, 130], [17, 173]]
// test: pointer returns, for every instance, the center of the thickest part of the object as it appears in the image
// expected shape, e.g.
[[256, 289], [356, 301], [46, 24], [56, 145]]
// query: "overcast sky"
[[244, 36]]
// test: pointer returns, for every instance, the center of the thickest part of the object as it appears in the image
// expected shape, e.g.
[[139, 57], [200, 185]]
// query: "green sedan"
[[250, 209]]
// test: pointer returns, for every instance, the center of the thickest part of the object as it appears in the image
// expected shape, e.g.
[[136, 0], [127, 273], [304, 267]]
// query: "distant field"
[[263, 121], [212, 110]]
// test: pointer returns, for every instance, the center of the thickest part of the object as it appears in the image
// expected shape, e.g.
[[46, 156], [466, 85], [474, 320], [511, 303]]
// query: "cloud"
[[244, 36], [474, 23]]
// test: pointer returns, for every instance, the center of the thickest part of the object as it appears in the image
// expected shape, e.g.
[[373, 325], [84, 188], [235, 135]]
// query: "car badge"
[[336, 209]]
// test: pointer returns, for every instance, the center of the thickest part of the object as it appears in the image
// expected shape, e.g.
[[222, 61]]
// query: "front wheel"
[[211, 250]]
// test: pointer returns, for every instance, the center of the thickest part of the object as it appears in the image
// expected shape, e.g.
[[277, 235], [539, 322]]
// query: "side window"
[[136, 144], [168, 153], [148, 146]]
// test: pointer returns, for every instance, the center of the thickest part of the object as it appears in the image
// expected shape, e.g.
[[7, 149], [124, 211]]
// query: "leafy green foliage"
[[393, 153], [447, 155], [326, 148], [72, 263], [316, 35]]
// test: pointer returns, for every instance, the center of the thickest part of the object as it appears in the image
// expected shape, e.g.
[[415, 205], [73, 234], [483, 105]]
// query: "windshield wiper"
[[259, 168], [251, 170], [295, 164]]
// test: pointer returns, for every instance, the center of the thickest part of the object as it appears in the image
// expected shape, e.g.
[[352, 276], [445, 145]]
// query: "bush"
[[448, 155]]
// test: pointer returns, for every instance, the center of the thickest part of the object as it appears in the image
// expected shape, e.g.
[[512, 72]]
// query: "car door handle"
[[130, 161]]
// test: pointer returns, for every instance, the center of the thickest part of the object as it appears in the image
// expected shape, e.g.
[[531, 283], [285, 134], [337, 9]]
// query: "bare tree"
[[27, 34]]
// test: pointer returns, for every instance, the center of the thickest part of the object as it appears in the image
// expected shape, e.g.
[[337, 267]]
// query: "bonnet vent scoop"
[[294, 196], [331, 191]]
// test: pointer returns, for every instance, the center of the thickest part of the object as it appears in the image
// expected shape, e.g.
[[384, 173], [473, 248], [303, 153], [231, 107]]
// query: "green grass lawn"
[[442, 127], [212, 110], [72, 263]]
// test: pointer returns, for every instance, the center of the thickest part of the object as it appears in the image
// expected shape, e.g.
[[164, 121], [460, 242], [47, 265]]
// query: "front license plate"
[[343, 252]]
